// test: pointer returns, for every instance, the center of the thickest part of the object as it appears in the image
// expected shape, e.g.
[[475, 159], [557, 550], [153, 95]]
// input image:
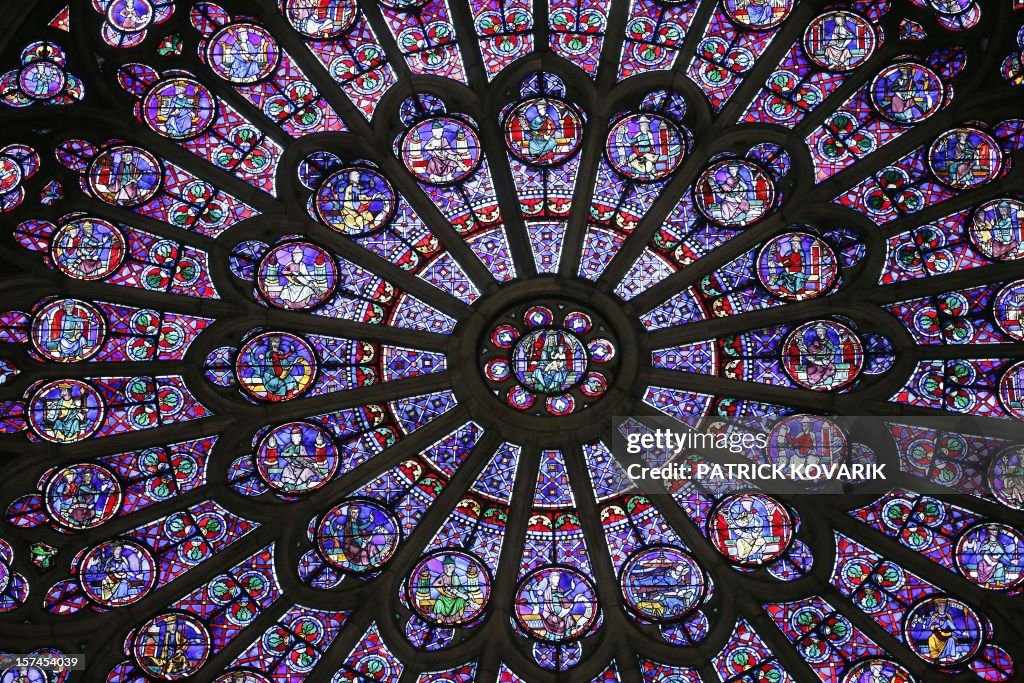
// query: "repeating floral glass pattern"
[[309, 299]]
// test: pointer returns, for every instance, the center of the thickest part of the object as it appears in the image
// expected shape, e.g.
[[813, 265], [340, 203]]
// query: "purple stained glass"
[[662, 583], [758, 14], [68, 330], [964, 158], [734, 193], [943, 630], [441, 151], [171, 646], [88, 249], [907, 92], [117, 573], [320, 19], [296, 458], [356, 201], [434, 267], [645, 147], [358, 536], [556, 604], [797, 266], [449, 587], [83, 496], [839, 40], [124, 175], [823, 355], [65, 411], [297, 275], [750, 529], [276, 366], [179, 108], [243, 53], [997, 229], [543, 131]]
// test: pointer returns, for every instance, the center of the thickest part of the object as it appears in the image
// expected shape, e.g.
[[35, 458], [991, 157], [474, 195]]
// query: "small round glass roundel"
[[125, 176], [538, 316], [179, 108], [497, 370], [179, 634], [10, 174], [68, 330], [130, 16], [72, 510], [757, 15], [441, 151], [578, 323], [964, 158], [117, 573], [297, 458], [88, 249], [65, 411], [560, 405], [839, 40], [823, 355], [356, 201], [449, 587], [797, 266], [297, 275], [1011, 390], [556, 604], [42, 79], [243, 53], [734, 193], [549, 361], [997, 229], [543, 131], [1006, 477], [601, 350], [662, 583], [992, 556], [645, 147], [907, 92], [321, 19], [943, 615], [358, 536], [750, 529], [877, 669], [594, 384], [276, 366], [1008, 309], [504, 336]]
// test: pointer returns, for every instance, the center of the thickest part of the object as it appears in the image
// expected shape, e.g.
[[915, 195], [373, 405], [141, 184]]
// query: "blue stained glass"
[[354, 291]]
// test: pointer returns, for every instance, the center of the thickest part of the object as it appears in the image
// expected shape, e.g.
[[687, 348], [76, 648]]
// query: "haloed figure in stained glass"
[[65, 414], [296, 283], [942, 641], [84, 250], [178, 112], [837, 46], [363, 205], [71, 332], [552, 368], [444, 158], [454, 592], [640, 146], [300, 468], [1000, 231], [988, 556]]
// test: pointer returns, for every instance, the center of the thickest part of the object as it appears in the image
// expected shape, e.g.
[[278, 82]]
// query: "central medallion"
[[549, 361], [554, 359]]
